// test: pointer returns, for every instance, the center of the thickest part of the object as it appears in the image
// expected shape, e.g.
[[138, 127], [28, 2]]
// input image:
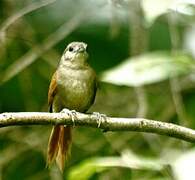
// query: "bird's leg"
[[100, 117], [71, 113]]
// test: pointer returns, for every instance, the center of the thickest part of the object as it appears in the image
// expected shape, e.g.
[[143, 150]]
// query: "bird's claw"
[[71, 113], [100, 117]]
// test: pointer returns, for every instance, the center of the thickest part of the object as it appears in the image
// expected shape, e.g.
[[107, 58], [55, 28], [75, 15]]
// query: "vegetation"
[[143, 53]]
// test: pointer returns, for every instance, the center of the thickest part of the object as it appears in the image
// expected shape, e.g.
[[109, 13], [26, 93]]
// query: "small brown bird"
[[73, 86]]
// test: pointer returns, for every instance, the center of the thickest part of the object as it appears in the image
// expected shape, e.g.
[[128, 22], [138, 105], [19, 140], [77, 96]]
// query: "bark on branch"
[[90, 120]]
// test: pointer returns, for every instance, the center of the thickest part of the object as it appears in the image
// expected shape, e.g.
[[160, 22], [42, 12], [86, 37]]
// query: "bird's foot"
[[100, 117], [71, 113]]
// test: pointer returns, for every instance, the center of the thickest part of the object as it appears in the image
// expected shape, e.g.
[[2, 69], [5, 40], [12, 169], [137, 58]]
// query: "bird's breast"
[[76, 89]]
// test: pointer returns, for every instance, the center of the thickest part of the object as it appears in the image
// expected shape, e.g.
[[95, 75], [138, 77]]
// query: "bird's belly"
[[76, 94]]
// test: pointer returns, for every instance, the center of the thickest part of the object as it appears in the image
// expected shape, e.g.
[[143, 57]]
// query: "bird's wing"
[[52, 91]]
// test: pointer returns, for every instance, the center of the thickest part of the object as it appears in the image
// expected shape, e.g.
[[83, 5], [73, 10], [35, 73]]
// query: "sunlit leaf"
[[149, 68], [183, 167], [128, 159], [153, 9]]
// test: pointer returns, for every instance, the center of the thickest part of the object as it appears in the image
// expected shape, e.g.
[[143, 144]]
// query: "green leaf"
[[149, 68], [85, 170]]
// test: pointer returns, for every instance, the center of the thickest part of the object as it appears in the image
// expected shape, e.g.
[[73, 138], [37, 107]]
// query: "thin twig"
[[142, 102], [38, 50], [29, 8], [174, 82], [90, 120], [138, 44]]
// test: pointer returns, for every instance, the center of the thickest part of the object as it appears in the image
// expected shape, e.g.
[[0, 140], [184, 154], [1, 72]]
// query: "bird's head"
[[75, 54]]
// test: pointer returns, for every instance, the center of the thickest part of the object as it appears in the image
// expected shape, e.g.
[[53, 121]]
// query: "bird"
[[73, 87]]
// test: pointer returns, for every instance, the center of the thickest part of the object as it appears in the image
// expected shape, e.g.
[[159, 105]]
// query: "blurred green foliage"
[[107, 28]]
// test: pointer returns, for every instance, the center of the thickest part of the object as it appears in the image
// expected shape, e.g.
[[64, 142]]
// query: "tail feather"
[[53, 145], [59, 146], [65, 141]]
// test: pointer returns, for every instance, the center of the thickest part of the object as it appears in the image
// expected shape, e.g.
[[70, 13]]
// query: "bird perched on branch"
[[73, 86]]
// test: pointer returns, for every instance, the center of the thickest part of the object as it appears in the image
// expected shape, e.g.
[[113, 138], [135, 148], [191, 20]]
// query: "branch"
[[90, 120]]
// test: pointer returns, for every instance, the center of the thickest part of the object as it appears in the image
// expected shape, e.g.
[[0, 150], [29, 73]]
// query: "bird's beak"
[[83, 48]]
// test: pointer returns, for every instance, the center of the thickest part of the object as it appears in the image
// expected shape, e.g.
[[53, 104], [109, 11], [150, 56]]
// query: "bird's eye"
[[70, 49]]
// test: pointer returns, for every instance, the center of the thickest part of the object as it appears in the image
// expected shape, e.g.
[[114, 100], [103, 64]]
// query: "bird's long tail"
[[59, 146]]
